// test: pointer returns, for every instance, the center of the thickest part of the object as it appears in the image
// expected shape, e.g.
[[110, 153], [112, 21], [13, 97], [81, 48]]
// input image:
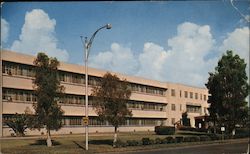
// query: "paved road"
[[223, 148]]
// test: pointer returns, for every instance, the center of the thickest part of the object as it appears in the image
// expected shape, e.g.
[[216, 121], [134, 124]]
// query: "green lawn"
[[70, 143], [98, 143]]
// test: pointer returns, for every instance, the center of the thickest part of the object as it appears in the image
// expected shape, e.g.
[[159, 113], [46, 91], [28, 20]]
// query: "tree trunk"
[[49, 143], [115, 137]]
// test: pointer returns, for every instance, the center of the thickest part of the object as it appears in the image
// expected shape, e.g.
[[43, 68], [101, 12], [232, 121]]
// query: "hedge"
[[164, 130]]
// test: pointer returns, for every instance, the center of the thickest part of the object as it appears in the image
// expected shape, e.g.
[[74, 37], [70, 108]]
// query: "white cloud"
[[151, 61], [4, 30], [187, 61], [38, 35], [238, 41], [118, 59]]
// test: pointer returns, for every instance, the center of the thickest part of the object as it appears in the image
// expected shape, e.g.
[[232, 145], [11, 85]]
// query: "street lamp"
[[87, 45]]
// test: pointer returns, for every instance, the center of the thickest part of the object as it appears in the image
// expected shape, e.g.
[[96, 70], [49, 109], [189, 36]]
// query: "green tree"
[[110, 101], [228, 88], [48, 91], [18, 123]]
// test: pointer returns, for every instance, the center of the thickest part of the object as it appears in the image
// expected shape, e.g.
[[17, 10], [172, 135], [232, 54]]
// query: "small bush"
[[169, 139], [242, 132], [187, 139], [132, 143], [205, 138], [214, 137], [151, 141], [194, 138], [120, 143], [145, 141], [164, 130], [179, 139], [158, 141]]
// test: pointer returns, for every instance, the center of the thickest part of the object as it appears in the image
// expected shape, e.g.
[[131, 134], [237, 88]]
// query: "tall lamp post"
[[87, 45]]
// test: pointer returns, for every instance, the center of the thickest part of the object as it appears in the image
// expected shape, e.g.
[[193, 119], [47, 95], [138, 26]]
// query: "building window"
[[200, 96], [173, 107], [173, 121], [205, 97], [186, 94], [133, 122], [180, 93], [94, 121], [180, 107], [193, 109], [172, 92], [147, 89], [205, 110], [196, 95], [75, 121], [191, 94]]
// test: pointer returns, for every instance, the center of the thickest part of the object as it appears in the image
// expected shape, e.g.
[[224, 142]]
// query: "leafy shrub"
[[164, 130], [179, 139], [214, 137], [145, 141], [242, 132], [158, 141], [120, 143], [133, 143], [169, 139], [205, 138], [187, 139], [194, 138]]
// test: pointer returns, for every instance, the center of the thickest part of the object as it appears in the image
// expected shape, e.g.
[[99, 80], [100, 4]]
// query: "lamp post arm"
[[89, 43]]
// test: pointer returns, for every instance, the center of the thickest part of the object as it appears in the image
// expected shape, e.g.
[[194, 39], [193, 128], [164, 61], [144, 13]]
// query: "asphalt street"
[[222, 148]]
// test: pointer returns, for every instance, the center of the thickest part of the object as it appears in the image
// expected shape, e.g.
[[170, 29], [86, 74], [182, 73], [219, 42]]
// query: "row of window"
[[147, 89], [173, 107], [191, 95], [11, 68], [193, 109], [189, 108], [146, 106], [94, 121], [29, 96], [18, 95]]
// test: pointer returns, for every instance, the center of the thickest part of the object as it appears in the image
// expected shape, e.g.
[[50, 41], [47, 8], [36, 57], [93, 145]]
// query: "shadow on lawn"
[[79, 146], [99, 142], [43, 142]]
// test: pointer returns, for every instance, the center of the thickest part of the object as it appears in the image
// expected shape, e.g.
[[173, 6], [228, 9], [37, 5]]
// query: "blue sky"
[[167, 41]]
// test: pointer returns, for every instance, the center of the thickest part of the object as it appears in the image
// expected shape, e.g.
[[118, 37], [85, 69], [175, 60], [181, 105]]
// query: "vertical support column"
[[86, 92], [1, 98]]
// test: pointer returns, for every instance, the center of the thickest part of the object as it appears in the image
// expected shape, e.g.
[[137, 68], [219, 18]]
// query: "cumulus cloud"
[[151, 61], [238, 41], [184, 62], [4, 30], [187, 60], [188, 49], [38, 35], [118, 59]]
